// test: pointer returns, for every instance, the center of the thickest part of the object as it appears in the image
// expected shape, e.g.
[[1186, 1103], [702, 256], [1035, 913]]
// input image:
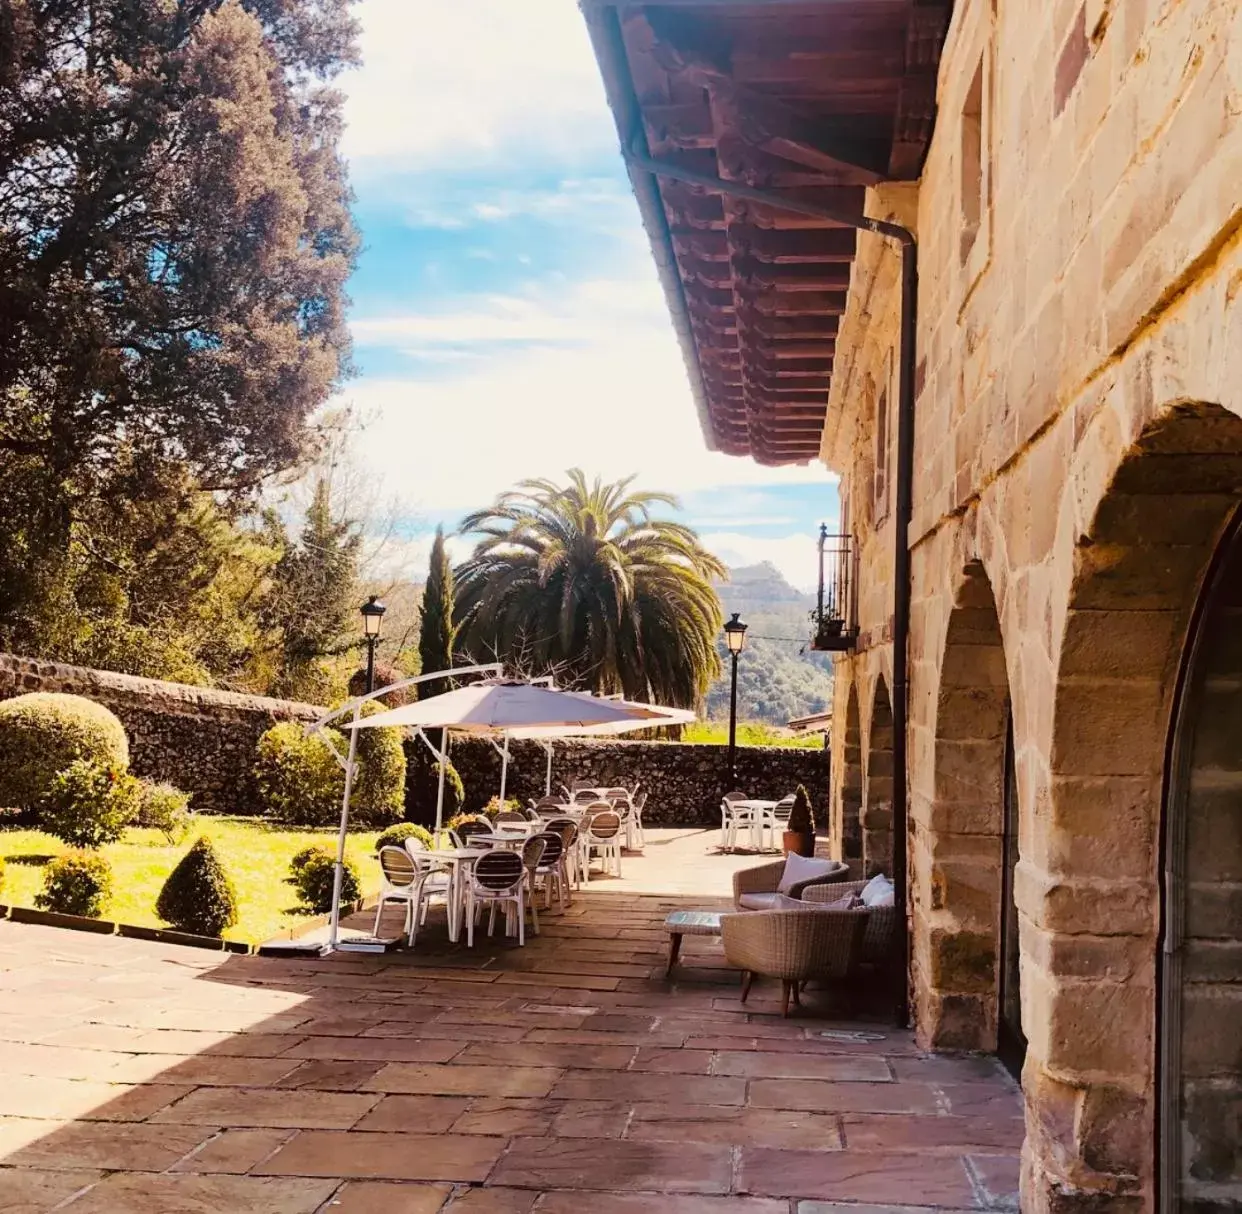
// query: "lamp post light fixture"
[[372, 617], [735, 638]]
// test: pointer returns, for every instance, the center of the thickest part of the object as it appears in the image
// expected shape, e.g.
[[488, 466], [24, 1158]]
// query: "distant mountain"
[[778, 677]]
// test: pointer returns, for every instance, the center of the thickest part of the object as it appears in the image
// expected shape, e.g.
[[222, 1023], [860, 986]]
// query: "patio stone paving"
[[564, 1078]]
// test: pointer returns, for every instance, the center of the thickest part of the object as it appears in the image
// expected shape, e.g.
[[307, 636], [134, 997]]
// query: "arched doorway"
[[1200, 1039], [850, 794], [1101, 986], [877, 813], [964, 932]]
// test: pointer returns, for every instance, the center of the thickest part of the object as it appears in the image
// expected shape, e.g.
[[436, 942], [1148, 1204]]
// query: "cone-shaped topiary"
[[379, 787], [198, 896], [801, 816]]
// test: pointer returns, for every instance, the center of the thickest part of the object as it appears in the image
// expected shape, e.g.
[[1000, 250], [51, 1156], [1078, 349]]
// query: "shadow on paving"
[[568, 1076]]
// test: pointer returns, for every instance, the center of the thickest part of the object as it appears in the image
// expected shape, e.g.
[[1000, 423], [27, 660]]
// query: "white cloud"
[[473, 81], [611, 397], [794, 555]]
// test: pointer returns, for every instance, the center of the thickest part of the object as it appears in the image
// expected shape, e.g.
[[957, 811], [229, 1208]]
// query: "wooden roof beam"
[[771, 126]]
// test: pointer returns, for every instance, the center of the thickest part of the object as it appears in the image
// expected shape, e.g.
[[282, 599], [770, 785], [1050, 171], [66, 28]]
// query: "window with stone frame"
[[972, 95], [883, 443]]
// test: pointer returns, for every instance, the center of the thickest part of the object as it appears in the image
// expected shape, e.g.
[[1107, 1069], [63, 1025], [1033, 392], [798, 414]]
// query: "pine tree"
[[174, 243], [314, 599], [437, 633]]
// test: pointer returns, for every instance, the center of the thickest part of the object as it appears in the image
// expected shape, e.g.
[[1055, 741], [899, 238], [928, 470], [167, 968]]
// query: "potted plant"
[[799, 836]]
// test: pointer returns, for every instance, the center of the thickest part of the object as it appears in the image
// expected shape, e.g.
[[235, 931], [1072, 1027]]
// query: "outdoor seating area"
[[570, 1075], [513, 862]]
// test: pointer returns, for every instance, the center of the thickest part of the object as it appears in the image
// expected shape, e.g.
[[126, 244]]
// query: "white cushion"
[[759, 901], [879, 891], [849, 902], [803, 868]]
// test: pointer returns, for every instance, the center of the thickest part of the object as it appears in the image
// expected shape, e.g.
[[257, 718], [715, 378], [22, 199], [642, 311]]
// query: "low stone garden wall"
[[200, 739], [204, 741], [685, 783]]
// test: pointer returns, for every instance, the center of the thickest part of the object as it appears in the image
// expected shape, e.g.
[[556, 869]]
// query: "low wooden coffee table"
[[688, 923]]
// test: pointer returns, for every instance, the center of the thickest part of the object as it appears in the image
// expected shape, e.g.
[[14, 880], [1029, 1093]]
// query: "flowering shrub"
[[77, 883], [89, 804]]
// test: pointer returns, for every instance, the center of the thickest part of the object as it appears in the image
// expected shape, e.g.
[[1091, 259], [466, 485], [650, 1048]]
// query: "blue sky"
[[506, 315]]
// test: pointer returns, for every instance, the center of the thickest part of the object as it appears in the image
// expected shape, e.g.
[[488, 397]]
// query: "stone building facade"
[[1078, 462], [1074, 736]]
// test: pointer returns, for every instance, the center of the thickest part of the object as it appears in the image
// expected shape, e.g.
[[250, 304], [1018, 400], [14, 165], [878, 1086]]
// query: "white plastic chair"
[[639, 802], [497, 879], [552, 869], [732, 816], [603, 836], [413, 881]]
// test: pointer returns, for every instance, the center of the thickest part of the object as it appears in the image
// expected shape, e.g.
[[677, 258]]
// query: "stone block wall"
[[198, 738], [1078, 448], [685, 783], [204, 741]]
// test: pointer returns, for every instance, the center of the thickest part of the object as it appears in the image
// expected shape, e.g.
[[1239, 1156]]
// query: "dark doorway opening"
[[1010, 1039]]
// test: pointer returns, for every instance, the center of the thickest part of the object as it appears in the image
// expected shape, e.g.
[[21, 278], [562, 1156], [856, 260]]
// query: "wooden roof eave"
[[605, 33]]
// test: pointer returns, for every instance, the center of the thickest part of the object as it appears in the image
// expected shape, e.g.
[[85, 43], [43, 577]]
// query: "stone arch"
[[957, 930], [877, 812], [847, 830], [1089, 884]]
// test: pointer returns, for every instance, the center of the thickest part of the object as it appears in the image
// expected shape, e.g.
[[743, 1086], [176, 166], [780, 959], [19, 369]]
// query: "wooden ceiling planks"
[[813, 101]]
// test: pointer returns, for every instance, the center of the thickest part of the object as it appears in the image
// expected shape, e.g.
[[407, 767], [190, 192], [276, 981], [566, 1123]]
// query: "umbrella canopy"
[[647, 716], [506, 708]]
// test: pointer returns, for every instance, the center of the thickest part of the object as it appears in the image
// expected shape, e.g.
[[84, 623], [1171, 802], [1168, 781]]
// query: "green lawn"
[[255, 854], [749, 734]]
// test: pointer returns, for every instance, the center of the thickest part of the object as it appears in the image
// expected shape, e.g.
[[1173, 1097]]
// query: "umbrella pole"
[[338, 874], [547, 784], [440, 790], [504, 771]]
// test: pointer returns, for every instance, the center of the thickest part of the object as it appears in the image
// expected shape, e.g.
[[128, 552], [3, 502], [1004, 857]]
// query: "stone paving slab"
[[569, 1077]]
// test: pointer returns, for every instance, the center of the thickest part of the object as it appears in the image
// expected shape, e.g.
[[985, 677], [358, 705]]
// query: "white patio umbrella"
[[505, 708]]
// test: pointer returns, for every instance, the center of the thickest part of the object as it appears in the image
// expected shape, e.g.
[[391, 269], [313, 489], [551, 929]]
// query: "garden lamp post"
[[372, 616], [735, 638]]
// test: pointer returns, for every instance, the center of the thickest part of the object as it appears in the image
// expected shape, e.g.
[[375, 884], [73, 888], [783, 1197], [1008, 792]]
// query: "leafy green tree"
[[581, 581], [436, 629], [174, 243], [312, 604]]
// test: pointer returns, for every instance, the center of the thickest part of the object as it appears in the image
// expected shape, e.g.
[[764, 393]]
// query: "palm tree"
[[581, 582]]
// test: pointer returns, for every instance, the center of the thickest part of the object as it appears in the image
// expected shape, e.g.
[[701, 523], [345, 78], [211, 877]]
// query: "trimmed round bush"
[[385, 676], [42, 733], [165, 808], [494, 806], [395, 836], [198, 896], [77, 883], [315, 880], [460, 819], [302, 858], [378, 795], [89, 805], [298, 778]]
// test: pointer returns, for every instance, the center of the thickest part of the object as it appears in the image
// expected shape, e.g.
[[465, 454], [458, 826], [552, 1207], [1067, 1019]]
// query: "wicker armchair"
[[764, 879], [880, 936], [794, 946]]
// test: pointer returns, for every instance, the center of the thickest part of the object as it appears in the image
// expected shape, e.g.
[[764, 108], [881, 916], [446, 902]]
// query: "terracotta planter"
[[796, 843]]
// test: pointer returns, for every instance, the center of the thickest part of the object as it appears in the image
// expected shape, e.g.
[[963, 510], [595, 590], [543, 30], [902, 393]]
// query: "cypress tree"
[[437, 633]]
